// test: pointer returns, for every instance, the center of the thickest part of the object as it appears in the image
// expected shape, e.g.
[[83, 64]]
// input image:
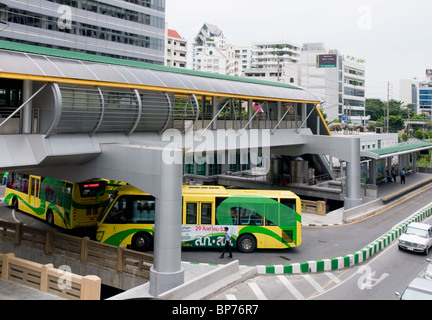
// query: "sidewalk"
[[387, 191], [10, 290]]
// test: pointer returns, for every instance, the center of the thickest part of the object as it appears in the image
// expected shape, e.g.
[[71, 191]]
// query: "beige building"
[[176, 50]]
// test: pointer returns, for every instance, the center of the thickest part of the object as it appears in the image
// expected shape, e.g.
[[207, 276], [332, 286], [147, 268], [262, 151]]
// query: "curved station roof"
[[21, 61]]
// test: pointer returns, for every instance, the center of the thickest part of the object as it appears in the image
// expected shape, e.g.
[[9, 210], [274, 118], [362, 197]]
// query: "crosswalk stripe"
[[291, 288], [314, 284], [258, 292]]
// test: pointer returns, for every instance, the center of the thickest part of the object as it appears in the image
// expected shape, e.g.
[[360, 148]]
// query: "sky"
[[393, 36]]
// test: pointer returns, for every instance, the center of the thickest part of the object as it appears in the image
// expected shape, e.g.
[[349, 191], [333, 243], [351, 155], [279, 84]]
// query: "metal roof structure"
[[396, 150], [53, 65]]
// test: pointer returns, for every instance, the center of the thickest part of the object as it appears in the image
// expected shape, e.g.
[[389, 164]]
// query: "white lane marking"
[[258, 292], [291, 288], [13, 215], [314, 284], [333, 277], [230, 297]]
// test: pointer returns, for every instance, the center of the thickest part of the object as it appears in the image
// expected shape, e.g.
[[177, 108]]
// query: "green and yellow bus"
[[62, 203], [257, 219]]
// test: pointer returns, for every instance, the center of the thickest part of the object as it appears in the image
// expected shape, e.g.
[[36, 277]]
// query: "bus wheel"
[[141, 241], [246, 243], [50, 218], [15, 204]]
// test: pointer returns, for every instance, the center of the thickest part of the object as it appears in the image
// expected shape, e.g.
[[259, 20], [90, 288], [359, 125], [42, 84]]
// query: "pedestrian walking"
[[402, 175], [5, 176], [227, 237]]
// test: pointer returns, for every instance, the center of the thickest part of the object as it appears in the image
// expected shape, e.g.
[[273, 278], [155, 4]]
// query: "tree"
[[419, 134], [375, 109], [396, 123]]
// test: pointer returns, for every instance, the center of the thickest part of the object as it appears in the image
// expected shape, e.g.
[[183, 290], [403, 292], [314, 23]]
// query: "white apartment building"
[[339, 81], [176, 50], [221, 60], [244, 54], [275, 61], [212, 54], [209, 36]]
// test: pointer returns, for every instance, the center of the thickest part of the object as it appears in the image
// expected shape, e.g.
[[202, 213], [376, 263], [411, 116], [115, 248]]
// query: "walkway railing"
[[48, 279], [85, 250]]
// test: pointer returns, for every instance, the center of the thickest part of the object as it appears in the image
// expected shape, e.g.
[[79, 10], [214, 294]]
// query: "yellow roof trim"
[[323, 120], [18, 76]]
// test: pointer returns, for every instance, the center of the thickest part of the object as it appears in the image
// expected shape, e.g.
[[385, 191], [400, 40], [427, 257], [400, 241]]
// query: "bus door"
[[198, 229], [198, 213], [34, 191]]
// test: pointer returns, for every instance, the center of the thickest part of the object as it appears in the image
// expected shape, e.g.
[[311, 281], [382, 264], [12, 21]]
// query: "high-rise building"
[[338, 80], [212, 54], [127, 29], [424, 94], [275, 61]]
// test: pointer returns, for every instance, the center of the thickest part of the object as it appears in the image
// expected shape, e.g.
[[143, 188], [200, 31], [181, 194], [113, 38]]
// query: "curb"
[[350, 259]]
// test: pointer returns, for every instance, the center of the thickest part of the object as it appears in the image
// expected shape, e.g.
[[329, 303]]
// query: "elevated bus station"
[[77, 116]]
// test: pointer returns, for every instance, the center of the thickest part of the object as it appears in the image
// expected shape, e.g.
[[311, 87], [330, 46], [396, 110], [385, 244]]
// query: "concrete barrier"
[[352, 259], [362, 211], [205, 285]]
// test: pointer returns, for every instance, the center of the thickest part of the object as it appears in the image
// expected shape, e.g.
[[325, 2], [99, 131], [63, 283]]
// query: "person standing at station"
[[393, 173], [227, 237], [402, 175]]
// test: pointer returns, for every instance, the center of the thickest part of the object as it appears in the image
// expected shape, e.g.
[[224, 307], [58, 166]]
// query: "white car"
[[418, 289], [417, 237]]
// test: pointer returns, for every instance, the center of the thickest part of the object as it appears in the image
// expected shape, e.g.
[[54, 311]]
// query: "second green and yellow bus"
[[63, 203], [257, 219]]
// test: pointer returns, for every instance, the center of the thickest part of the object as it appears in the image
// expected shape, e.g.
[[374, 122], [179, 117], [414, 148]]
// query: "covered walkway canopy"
[[400, 149], [377, 172], [113, 95]]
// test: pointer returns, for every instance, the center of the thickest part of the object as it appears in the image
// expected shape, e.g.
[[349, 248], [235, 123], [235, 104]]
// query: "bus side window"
[[272, 213], [206, 213], [191, 213], [143, 211]]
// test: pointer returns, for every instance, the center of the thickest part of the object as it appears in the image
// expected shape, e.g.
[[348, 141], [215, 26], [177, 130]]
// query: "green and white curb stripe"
[[350, 259]]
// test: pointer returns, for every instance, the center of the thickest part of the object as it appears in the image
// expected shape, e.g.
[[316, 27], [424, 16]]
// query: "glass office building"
[[127, 29], [425, 98]]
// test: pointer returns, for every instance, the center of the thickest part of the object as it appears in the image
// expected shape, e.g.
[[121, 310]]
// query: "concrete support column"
[[372, 171], [167, 272], [304, 114], [28, 109], [414, 162], [353, 186]]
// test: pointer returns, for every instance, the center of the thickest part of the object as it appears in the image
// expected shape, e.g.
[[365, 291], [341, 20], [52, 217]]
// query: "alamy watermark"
[[65, 19], [364, 21], [204, 146], [65, 280]]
